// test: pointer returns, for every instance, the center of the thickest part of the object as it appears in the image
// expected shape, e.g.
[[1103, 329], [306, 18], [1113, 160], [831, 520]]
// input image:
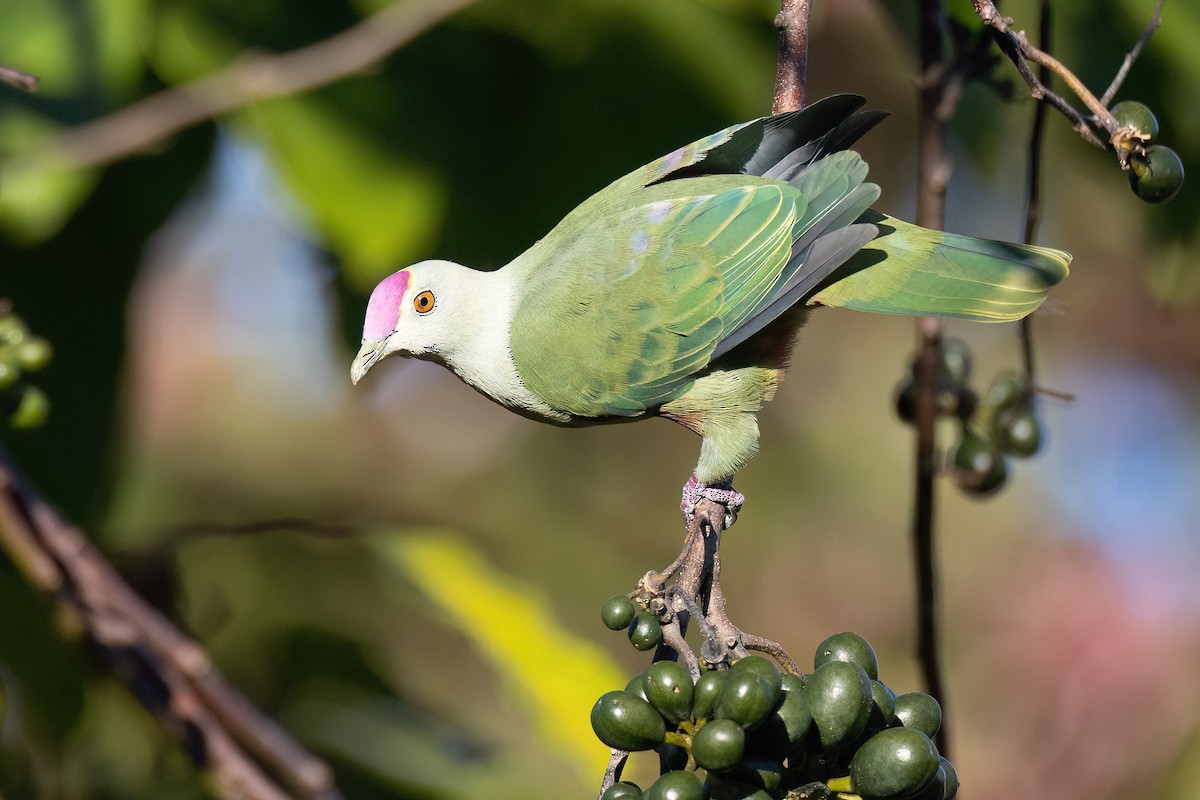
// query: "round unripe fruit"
[[625, 721], [12, 329], [746, 699], [1132, 114], [722, 788], [708, 689], [1156, 176], [719, 745], [788, 724], [622, 791], [617, 612], [675, 785], [1006, 391], [883, 705], [949, 778], [1022, 434], [956, 362], [839, 697], [906, 401], [669, 689], [10, 371], [763, 668], [919, 711], [893, 764], [850, 647], [979, 467], [34, 353], [645, 631], [32, 410]]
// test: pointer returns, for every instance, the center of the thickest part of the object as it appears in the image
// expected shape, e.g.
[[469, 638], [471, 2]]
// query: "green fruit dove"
[[677, 290]]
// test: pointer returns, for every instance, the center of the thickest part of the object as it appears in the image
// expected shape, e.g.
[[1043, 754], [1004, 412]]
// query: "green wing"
[[635, 306], [916, 271]]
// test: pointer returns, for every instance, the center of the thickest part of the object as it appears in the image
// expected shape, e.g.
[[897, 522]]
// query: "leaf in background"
[[558, 674], [377, 210], [87, 56]]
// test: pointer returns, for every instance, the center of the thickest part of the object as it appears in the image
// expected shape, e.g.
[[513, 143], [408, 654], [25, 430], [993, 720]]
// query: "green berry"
[[12, 329], [839, 697], [708, 689], [617, 612], [675, 785], [906, 401], [645, 631], [1157, 175], [1021, 433], [32, 410], [786, 727], [720, 787], [919, 711], [851, 647], [1006, 391], [949, 778], [1132, 114], [719, 745], [763, 667], [623, 790], [669, 689], [883, 705], [956, 362], [760, 773], [10, 370], [746, 699], [625, 721], [34, 353], [892, 764], [637, 686], [979, 467]]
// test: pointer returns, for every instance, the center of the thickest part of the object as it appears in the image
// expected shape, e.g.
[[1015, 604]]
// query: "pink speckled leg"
[[722, 493]]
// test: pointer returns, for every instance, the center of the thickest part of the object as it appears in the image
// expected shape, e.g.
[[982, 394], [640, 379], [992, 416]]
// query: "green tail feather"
[[912, 270]]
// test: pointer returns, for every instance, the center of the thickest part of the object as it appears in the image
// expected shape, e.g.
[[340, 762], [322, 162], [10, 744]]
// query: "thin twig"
[[933, 176], [1033, 196], [792, 62], [18, 79], [172, 675], [248, 80], [1132, 56]]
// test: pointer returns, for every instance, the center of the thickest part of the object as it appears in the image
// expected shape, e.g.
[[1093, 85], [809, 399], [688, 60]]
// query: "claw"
[[722, 493]]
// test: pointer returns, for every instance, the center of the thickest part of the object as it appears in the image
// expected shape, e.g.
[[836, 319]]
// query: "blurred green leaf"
[[559, 674]]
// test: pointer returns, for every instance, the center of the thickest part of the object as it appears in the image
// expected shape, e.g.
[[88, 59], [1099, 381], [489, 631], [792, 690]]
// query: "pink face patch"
[[383, 309]]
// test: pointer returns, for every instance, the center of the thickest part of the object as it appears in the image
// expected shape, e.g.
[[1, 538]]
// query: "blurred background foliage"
[[424, 612]]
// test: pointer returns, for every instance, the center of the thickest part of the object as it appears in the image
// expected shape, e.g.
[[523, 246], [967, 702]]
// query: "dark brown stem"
[[792, 63], [1033, 199], [933, 175], [246, 753]]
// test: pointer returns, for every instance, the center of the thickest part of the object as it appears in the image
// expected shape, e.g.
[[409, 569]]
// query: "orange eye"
[[423, 303]]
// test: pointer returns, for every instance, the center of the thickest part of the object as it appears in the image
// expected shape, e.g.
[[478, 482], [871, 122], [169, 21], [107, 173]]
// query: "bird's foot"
[[722, 493]]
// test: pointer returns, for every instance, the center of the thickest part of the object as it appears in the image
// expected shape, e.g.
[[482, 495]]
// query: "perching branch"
[[1151, 26], [250, 79], [792, 62], [246, 754]]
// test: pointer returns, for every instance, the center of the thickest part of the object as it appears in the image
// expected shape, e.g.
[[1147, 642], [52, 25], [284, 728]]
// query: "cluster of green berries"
[[1156, 172], [21, 352], [1002, 423], [748, 732]]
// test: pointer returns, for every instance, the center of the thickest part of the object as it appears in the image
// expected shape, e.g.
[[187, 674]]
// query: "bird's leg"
[[721, 493]]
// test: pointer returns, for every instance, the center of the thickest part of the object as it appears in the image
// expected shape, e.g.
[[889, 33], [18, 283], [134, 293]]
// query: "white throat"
[[481, 354]]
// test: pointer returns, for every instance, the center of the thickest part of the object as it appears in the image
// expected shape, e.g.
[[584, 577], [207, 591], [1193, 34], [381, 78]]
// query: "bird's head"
[[410, 313]]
